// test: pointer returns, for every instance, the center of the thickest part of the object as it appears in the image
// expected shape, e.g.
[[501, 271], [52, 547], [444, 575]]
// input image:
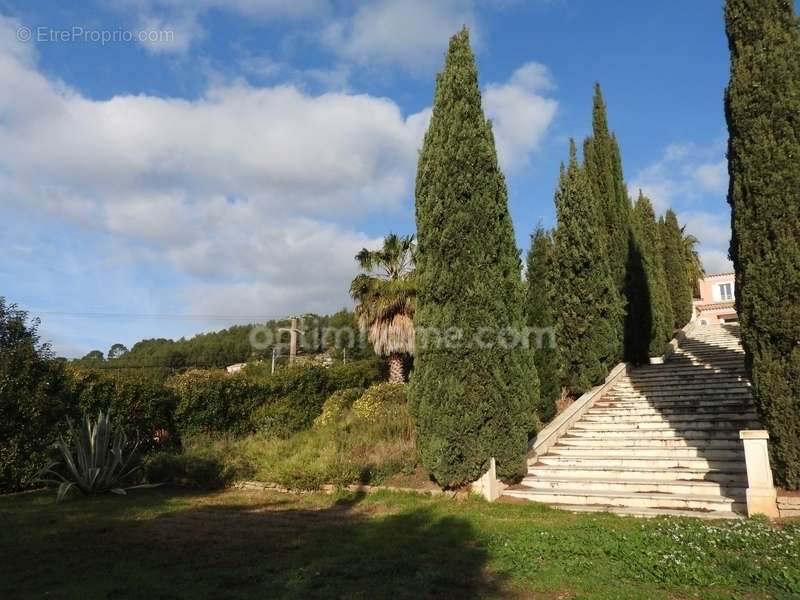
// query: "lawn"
[[174, 544]]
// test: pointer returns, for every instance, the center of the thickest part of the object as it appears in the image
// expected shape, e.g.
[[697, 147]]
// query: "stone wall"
[[789, 506]]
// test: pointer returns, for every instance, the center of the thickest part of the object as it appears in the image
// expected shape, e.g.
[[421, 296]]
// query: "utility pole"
[[274, 356], [293, 331]]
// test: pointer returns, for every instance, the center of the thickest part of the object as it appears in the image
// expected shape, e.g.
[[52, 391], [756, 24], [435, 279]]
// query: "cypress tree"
[[677, 276], [540, 301], [650, 250], [472, 397], [762, 105], [603, 165], [587, 312]]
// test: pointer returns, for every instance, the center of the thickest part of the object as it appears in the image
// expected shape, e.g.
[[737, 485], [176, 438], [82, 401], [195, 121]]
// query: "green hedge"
[[142, 406], [276, 405], [213, 401]]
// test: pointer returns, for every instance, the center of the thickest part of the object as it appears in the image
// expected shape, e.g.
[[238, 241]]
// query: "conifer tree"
[[587, 312], [541, 284], [677, 276], [603, 165], [472, 398], [763, 113], [650, 250]]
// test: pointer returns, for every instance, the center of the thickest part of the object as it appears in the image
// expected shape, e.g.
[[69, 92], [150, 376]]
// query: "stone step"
[[627, 499], [703, 488], [708, 350], [716, 433], [644, 462], [666, 419], [736, 474], [649, 513], [685, 362], [735, 421], [643, 442], [668, 413], [678, 392], [679, 377], [675, 404], [639, 452], [677, 367], [700, 384]]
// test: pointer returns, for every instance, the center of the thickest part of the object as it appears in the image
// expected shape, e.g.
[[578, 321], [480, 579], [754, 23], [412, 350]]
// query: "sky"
[[169, 167]]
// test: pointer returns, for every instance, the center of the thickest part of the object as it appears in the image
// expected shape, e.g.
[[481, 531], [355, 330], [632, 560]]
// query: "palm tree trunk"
[[396, 374]]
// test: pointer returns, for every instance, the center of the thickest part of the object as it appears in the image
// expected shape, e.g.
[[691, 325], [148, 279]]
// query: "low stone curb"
[[330, 489]]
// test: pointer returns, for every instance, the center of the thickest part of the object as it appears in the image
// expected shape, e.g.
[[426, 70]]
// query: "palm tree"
[[386, 297], [694, 266]]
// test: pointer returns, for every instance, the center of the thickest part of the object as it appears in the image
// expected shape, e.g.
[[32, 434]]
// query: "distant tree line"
[[233, 345]]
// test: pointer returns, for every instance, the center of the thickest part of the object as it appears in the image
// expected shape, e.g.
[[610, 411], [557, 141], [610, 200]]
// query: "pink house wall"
[[711, 307]]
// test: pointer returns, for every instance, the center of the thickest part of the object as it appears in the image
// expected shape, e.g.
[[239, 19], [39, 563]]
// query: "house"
[[716, 304], [235, 368]]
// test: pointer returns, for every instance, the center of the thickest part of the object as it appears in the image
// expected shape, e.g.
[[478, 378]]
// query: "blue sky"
[[227, 166]]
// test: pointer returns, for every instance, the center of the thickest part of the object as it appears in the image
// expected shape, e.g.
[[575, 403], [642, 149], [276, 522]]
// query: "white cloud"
[[683, 174], [410, 33], [236, 191], [520, 114], [183, 17], [692, 180], [713, 177], [238, 196]]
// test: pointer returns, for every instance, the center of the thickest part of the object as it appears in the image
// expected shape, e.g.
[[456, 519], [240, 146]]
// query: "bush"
[[34, 399], [296, 399], [141, 406], [213, 401], [336, 405], [381, 402], [347, 450], [359, 373]]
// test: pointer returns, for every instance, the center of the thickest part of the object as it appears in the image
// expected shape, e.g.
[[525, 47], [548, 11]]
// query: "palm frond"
[[386, 294]]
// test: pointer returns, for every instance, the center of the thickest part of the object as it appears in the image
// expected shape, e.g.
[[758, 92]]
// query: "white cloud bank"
[[520, 113], [410, 33], [693, 180], [241, 191]]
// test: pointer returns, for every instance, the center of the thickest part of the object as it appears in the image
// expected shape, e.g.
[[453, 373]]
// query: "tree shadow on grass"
[[266, 549]]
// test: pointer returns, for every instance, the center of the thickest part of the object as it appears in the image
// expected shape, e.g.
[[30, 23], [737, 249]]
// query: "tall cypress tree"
[[674, 256], [541, 284], [587, 312], [762, 105], [603, 165], [472, 398], [650, 249]]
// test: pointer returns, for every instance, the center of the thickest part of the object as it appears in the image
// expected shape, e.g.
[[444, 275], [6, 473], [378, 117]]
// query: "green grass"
[[350, 448], [168, 544]]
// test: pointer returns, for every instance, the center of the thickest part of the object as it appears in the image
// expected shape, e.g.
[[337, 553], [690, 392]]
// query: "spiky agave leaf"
[[98, 460]]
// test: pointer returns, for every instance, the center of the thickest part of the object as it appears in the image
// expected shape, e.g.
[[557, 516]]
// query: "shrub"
[[296, 399], [336, 405], [142, 406], [213, 401], [380, 402], [359, 373], [34, 399]]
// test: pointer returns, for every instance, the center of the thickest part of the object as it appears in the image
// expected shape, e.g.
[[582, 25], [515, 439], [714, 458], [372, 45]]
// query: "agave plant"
[[96, 461]]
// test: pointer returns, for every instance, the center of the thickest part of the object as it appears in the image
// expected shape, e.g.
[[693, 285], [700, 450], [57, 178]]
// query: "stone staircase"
[[663, 440]]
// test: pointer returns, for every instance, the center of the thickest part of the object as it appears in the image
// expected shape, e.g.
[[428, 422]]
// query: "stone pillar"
[[761, 495], [488, 485]]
